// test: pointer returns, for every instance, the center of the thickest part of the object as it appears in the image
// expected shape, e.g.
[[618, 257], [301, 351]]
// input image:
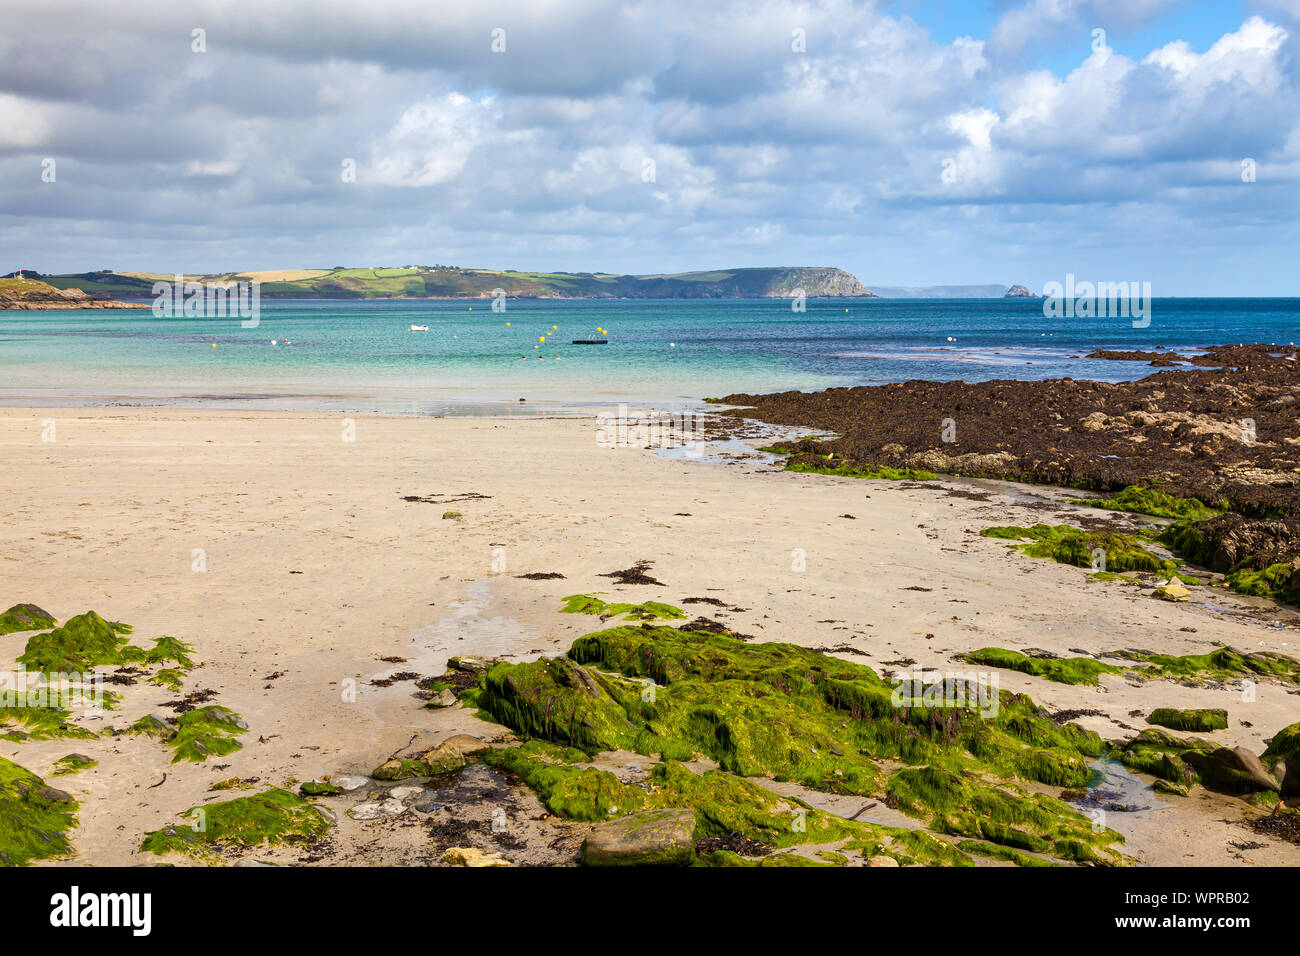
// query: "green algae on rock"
[[205, 732], [660, 837], [829, 465], [85, 641], [1223, 664], [34, 818], [1140, 499], [25, 617], [45, 722], [775, 710], [172, 678], [1281, 582], [723, 803], [1005, 853], [1062, 670], [764, 709], [646, 611], [73, 763], [196, 735], [270, 818], [962, 805], [1070, 545], [170, 649], [1192, 721]]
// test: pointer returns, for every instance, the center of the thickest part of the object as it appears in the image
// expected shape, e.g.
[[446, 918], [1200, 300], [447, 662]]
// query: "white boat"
[[419, 328]]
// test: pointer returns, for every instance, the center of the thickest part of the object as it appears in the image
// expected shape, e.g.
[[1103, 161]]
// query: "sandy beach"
[[295, 561]]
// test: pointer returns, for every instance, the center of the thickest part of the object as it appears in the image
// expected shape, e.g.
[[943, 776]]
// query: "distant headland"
[[453, 282]]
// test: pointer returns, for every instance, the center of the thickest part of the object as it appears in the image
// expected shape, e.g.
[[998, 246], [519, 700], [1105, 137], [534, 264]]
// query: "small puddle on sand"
[[464, 632], [1123, 800]]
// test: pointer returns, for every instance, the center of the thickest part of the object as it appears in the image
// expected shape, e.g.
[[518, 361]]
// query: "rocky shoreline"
[[27, 295]]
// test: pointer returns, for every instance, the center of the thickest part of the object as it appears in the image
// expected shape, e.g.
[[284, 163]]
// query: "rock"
[[377, 811], [328, 815], [1193, 721], [405, 794], [429, 806], [469, 664], [253, 863], [1173, 789], [1283, 756], [54, 795], [151, 725], [454, 753], [470, 856], [649, 838], [388, 770], [1020, 292], [444, 698], [1233, 771], [1287, 771], [1173, 591], [882, 860], [318, 788], [348, 784]]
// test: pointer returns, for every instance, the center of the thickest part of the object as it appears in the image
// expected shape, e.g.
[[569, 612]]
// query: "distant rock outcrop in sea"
[[1021, 292]]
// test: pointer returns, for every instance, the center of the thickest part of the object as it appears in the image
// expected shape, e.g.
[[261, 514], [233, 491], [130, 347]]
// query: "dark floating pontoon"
[[591, 341]]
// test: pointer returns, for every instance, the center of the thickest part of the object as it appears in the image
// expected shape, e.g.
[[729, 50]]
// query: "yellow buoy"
[[554, 326], [541, 338], [214, 345], [507, 325]]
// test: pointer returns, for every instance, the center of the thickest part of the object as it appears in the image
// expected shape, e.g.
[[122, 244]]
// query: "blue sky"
[[917, 142]]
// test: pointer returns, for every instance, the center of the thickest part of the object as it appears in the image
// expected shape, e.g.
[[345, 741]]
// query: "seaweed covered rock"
[[1234, 770], [1184, 762], [1283, 758], [646, 611], [1161, 754], [828, 464], [1070, 545], [1009, 817], [34, 818], [1192, 721], [1280, 581], [85, 641], [451, 754], [774, 710], [1222, 664], [38, 720], [664, 837], [206, 732], [1062, 670], [724, 806], [766, 709], [1232, 540], [270, 818], [1144, 500], [25, 617]]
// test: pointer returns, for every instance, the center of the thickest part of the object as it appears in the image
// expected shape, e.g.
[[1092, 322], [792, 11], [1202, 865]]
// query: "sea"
[[362, 356]]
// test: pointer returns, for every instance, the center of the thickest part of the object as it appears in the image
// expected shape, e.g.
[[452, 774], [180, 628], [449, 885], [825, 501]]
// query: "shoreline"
[[324, 556]]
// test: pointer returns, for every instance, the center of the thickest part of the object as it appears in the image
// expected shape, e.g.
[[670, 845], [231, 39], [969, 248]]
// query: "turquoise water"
[[362, 356]]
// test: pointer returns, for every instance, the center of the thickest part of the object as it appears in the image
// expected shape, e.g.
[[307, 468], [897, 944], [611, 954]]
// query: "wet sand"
[[316, 568]]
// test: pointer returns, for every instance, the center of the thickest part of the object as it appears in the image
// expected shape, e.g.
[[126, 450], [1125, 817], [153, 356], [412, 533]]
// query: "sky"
[[919, 142]]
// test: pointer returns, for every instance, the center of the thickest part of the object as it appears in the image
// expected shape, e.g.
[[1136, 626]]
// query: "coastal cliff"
[[31, 295], [453, 282]]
